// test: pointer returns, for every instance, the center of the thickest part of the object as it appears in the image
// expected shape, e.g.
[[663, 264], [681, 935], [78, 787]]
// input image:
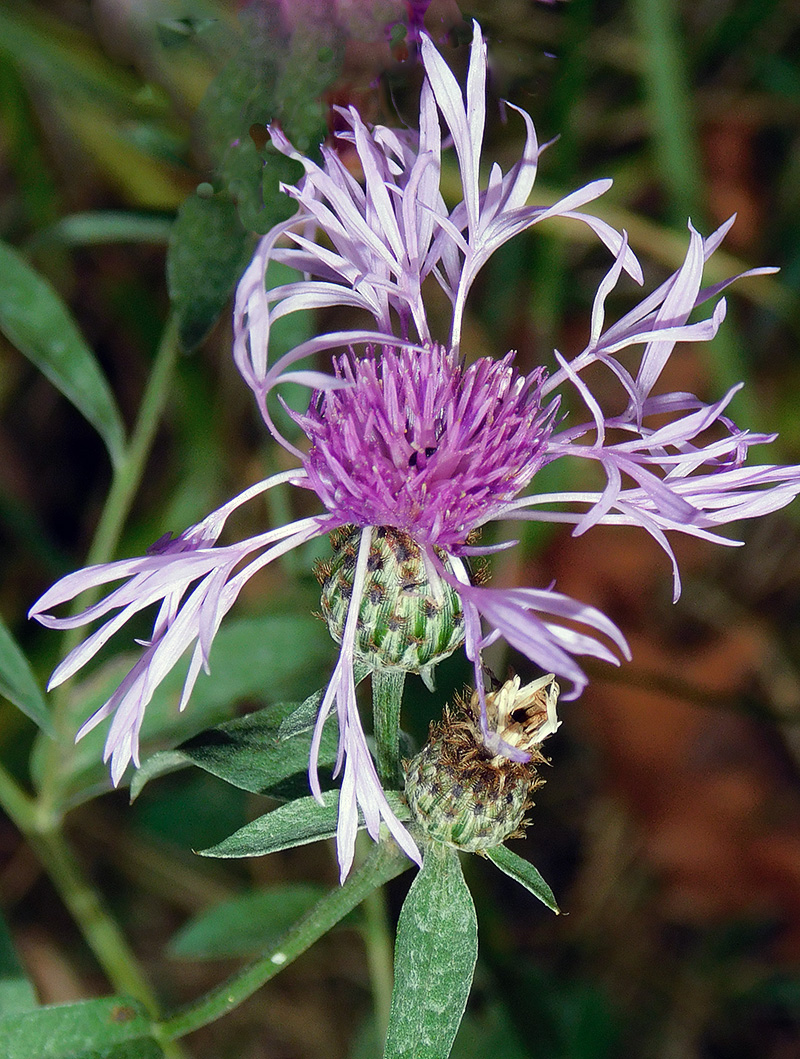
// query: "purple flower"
[[410, 436]]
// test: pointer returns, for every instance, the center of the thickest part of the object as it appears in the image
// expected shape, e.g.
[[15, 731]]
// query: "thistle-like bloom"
[[414, 446]]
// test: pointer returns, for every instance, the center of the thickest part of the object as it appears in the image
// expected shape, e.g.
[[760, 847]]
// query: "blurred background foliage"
[[135, 172]]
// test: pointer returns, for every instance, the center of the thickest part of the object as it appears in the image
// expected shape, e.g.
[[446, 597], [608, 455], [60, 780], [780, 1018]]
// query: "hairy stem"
[[379, 947], [387, 698]]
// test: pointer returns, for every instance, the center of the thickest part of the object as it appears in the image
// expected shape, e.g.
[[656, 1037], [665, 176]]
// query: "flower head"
[[419, 442], [411, 441], [462, 795]]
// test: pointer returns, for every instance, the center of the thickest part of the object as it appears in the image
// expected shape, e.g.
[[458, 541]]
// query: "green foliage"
[[252, 659], [264, 752], [435, 954], [62, 60], [107, 124], [524, 873], [111, 1028], [34, 318], [246, 924], [18, 683], [294, 824], [16, 991], [208, 251], [273, 76]]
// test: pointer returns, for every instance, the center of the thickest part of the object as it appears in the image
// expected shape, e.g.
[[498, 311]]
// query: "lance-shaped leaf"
[[265, 752], [34, 318], [111, 1028], [208, 251], [294, 824], [524, 873], [18, 683], [435, 954]]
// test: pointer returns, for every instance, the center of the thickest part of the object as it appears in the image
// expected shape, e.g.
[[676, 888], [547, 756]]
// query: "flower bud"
[[404, 621], [464, 794]]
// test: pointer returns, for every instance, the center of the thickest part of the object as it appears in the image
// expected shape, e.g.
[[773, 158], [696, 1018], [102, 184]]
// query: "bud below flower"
[[463, 794], [404, 622]]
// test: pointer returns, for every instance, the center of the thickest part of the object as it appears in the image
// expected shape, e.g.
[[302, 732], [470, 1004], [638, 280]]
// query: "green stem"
[[387, 698], [380, 956], [98, 928], [384, 862], [101, 932], [131, 469], [40, 821], [17, 804]]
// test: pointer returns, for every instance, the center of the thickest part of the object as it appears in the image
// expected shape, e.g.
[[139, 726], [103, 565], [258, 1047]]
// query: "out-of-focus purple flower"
[[410, 436]]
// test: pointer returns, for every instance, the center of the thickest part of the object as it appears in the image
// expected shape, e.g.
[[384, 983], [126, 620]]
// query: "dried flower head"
[[459, 790]]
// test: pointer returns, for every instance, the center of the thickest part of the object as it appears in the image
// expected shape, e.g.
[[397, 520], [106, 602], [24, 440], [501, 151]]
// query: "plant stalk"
[[387, 698]]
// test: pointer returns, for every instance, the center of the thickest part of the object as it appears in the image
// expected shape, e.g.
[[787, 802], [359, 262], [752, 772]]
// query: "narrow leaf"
[[252, 753], [18, 683], [111, 1028], [245, 925], [524, 873], [435, 954], [34, 318], [295, 824], [107, 226], [257, 752], [16, 991]]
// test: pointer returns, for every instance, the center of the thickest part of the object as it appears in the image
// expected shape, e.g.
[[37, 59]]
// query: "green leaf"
[[275, 75], [160, 764], [111, 1028], [16, 991], [208, 251], [295, 824], [435, 955], [34, 318], [265, 752], [18, 683], [245, 925], [253, 179], [107, 226], [252, 660], [524, 873]]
